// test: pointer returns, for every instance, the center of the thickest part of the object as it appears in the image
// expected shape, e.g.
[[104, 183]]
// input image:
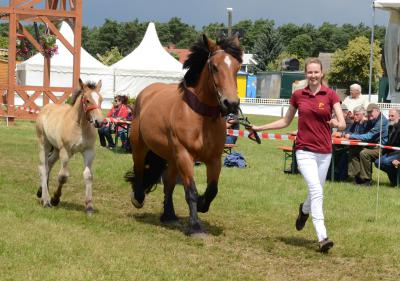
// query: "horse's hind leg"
[[63, 175], [88, 156], [52, 159], [44, 149], [139, 156], [213, 172], [169, 180]]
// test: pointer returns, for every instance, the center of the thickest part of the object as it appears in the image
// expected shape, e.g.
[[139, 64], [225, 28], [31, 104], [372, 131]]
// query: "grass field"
[[250, 225]]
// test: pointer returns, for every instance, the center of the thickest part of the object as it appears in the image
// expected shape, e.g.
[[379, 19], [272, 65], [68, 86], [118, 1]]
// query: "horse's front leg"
[[63, 175], [185, 167], [169, 179], [88, 156], [213, 171]]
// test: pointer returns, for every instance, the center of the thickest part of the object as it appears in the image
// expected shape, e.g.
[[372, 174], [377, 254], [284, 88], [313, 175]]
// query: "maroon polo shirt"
[[314, 133]]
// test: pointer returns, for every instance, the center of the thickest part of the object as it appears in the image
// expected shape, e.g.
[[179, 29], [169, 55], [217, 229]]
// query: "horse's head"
[[224, 61], [91, 102]]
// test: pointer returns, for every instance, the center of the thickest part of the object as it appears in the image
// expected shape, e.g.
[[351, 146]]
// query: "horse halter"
[[88, 108]]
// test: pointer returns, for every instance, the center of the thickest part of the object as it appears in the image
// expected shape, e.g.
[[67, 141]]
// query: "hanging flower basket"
[[49, 45], [23, 50]]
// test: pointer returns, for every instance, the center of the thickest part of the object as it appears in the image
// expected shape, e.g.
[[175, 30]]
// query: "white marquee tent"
[[147, 64], [30, 72], [392, 46]]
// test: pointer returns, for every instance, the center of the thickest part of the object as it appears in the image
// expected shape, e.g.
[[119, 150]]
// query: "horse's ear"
[[211, 45], [81, 84], [98, 86], [236, 40]]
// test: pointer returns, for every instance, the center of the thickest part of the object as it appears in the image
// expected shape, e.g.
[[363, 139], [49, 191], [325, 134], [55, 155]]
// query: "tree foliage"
[[267, 47], [351, 65]]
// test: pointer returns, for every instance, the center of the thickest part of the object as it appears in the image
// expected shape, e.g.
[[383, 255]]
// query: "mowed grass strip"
[[250, 225]]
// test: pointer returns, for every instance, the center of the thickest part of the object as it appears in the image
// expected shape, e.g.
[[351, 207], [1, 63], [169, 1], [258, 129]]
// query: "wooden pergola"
[[48, 12]]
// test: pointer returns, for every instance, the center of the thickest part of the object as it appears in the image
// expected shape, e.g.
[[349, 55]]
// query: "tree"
[[351, 65], [110, 57], [301, 46], [267, 47]]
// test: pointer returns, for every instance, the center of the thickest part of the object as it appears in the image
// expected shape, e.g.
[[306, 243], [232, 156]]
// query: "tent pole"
[[371, 56]]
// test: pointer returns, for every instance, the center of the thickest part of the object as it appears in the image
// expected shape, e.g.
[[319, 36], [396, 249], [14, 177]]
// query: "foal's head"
[[91, 102], [221, 60]]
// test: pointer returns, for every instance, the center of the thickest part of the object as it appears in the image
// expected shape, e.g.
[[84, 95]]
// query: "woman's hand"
[[333, 123], [255, 128]]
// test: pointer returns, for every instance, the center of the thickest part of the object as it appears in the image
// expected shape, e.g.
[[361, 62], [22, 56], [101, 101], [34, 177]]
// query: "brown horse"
[[63, 130], [176, 124]]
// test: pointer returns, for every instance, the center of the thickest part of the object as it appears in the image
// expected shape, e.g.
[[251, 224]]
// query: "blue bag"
[[235, 159]]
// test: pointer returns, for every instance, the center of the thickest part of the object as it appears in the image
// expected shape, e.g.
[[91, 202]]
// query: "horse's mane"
[[78, 92], [199, 54]]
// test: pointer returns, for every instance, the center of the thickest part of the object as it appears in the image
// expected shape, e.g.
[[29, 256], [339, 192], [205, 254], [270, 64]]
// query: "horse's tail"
[[154, 166]]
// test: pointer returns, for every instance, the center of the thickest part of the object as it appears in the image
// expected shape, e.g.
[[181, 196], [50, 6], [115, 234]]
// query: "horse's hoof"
[[199, 235], [202, 207], [55, 201], [89, 211], [46, 205], [170, 221], [136, 203], [39, 192]]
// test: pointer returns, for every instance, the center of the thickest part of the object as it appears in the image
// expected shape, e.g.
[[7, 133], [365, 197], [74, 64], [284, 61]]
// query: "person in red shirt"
[[315, 105], [120, 110]]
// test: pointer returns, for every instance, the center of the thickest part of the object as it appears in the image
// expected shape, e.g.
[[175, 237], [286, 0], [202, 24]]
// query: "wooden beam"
[[29, 5], [12, 57], [77, 46], [31, 39], [54, 29]]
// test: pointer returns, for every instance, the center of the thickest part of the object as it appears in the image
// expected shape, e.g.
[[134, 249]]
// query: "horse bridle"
[[242, 119], [217, 92]]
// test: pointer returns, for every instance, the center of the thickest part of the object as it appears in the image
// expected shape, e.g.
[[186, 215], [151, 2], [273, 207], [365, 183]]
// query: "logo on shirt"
[[321, 105]]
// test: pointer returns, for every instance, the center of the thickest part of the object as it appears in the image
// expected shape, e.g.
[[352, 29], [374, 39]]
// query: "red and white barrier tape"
[[241, 133]]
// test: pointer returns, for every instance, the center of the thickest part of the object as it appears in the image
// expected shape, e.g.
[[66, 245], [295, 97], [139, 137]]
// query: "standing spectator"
[[315, 104], [118, 111], [360, 159], [355, 98], [388, 155]]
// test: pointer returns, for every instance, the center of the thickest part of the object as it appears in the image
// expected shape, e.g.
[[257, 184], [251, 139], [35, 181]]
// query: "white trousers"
[[314, 167]]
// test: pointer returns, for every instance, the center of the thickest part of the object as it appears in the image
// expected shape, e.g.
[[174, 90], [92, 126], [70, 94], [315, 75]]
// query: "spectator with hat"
[[361, 158]]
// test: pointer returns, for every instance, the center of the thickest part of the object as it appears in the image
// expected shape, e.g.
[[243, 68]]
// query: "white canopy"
[[392, 46], [30, 72], [387, 4], [147, 64]]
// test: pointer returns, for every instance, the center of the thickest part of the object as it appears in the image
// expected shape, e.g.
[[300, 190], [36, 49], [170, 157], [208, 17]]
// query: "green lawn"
[[250, 225]]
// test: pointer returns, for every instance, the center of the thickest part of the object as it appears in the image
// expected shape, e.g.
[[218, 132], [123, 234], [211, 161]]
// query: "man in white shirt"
[[355, 98]]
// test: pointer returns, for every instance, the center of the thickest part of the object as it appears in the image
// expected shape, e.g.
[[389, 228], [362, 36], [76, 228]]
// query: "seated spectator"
[[360, 158], [389, 156], [355, 98], [232, 123], [118, 111], [341, 152]]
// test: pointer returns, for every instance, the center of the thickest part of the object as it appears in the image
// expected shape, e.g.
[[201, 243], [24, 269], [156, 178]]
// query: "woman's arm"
[[278, 124], [339, 121]]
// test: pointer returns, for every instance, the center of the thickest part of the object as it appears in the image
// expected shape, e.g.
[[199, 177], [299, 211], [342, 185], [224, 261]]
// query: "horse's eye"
[[214, 69], [87, 101]]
